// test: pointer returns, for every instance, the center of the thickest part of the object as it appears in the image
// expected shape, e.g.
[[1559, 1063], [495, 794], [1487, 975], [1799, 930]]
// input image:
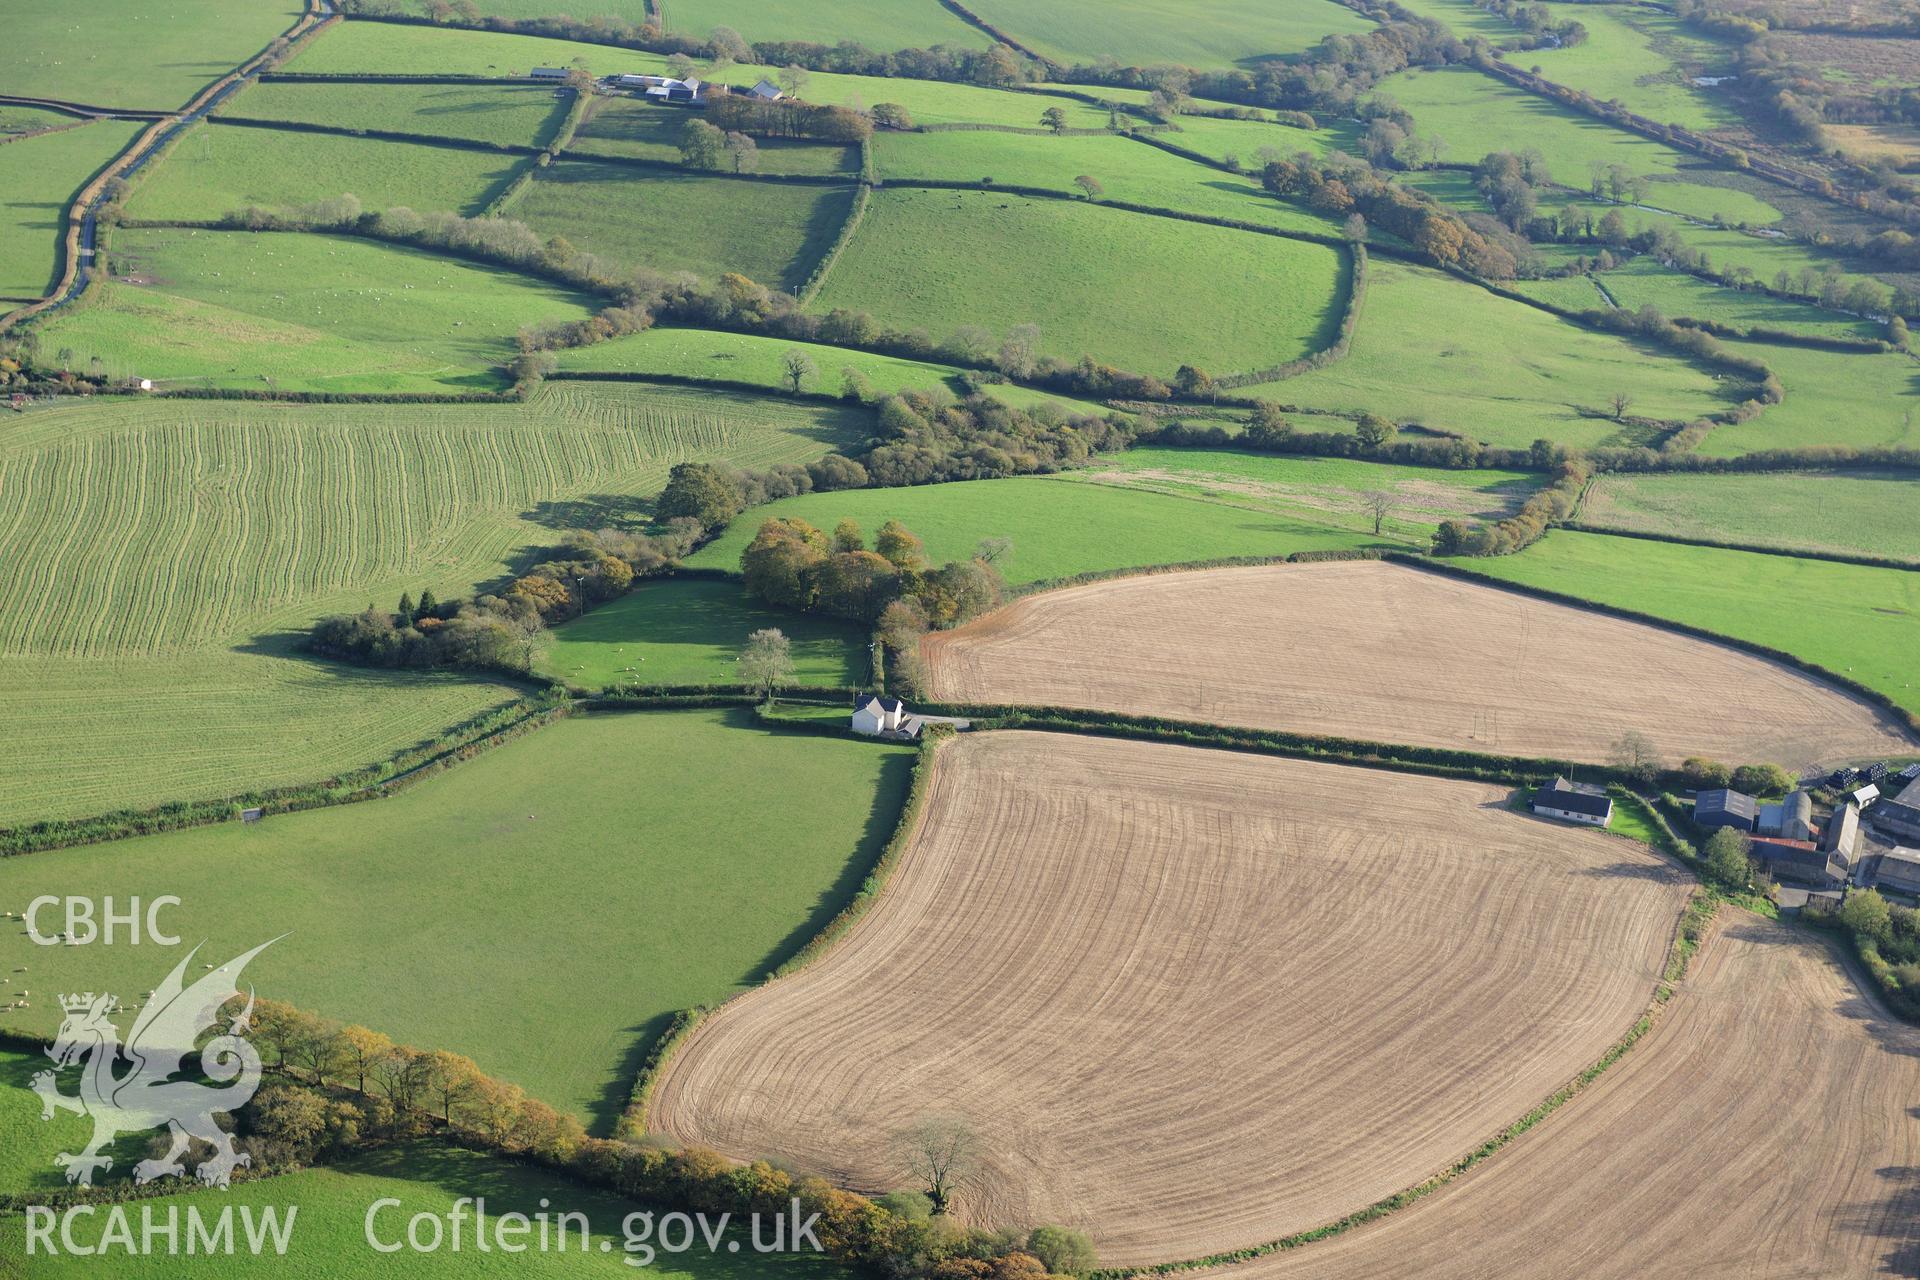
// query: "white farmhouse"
[[874, 715], [1574, 802]]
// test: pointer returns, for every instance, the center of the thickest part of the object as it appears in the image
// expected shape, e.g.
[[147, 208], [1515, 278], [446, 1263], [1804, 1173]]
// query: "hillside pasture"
[[1333, 490], [16, 121], [305, 313], [1443, 353], [381, 48], [1475, 114], [636, 129], [1059, 527], [1862, 513], [559, 897], [1126, 170], [39, 176], [1127, 916], [1643, 282], [1121, 287], [878, 24], [215, 169], [1644, 58], [1222, 33], [1860, 400], [1685, 1119], [123, 53], [689, 631], [519, 115], [1862, 623], [1385, 653], [718, 356], [771, 232], [1223, 138]]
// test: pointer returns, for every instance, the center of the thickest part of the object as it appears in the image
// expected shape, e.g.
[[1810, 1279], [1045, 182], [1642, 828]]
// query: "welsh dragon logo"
[[131, 1087]]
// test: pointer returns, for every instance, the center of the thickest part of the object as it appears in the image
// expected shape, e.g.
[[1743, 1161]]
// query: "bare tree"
[[1380, 504], [767, 661], [1621, 402], [1634, 755], [798, 366], [940, 1152], [993, 549]]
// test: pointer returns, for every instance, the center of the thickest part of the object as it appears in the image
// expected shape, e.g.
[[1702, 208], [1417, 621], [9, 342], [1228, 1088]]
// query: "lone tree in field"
[[1090, 185], [1054, 118], [991, 550], [1729, 859], [1380, 504], [1634, 755], [939, 1152], [793, 78], [1620, 403], [699, 491], [797, 366], [767, 661], [703, 146]]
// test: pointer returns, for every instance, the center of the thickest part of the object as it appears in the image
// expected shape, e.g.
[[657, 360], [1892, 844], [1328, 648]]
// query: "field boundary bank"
[[980, 24], [633, 1122], [1752, 548], [1680, 953], [1907, 722], [455, 746], [81, 110], [1343, 333]]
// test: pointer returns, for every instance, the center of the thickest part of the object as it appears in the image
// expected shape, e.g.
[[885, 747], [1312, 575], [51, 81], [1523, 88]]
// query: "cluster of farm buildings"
[[1824, 855], [690, 92], [1869, 839]]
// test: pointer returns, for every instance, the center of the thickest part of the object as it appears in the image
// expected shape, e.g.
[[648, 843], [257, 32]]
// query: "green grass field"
[[305, 313], [1643, 282], [1146, 32], [1847, 513], [1060, 525], [156, 557], [523, 115], [1122, 287], [378, 48], [772, 232], [1642, 57], [743, 357], [1435, 350], [1861, 623], [329, 1236], [1475, 114], [878, 24], [122, 53], [688, 631], [1831, 399], [216, 169], [1126, 170], [631, 127], [1330, 491], [544, 908], [1221, 138], [38, 177]]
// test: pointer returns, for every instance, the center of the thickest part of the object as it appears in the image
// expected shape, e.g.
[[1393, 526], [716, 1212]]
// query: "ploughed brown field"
[[1764, 1130], [1189, 1000], [1378, 651]]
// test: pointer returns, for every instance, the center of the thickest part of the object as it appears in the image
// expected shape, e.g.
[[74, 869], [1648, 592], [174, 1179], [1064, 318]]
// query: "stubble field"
[[1762, 1131], [1390, 654], [1096, 953]]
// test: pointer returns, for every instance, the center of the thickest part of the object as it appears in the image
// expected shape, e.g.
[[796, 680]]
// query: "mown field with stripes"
[[156, 557]]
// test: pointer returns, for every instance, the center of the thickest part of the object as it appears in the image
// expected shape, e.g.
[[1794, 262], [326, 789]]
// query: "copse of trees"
[[792, 564], [503, 631], [1341, 186]]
